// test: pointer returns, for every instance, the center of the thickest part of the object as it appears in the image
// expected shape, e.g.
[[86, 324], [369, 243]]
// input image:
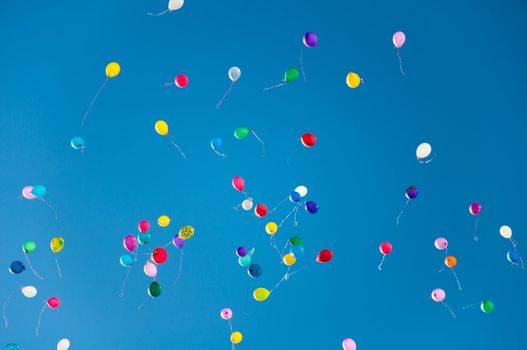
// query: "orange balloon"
[[450, 261]]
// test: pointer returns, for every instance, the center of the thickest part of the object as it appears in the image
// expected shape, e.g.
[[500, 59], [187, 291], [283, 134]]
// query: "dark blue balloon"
[[16, 267], [294, 197], [311, 207], [254, 270], [412, 192], [514, 257]]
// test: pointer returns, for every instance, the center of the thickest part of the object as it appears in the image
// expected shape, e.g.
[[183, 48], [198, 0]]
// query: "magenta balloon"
[[399, 39], [349, 344], [475, 208], [226, 313], [26, 192], [438, 295], [441, 243], [130, 243]]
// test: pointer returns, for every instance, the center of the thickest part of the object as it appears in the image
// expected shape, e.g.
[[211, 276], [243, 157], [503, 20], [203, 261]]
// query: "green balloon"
[[295, 240], [487, 306], [154, 289], [241, 133], [291, 74], [29, 247]]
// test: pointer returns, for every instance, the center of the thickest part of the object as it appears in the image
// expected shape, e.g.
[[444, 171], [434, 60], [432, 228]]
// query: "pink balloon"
[[475, 208], [26, 192], [438, 295], [53, 303], [144, 226], [226, 313], [349, 344], [130, 243], [399, 39], [150, 269], [238, 183], [441, 243]]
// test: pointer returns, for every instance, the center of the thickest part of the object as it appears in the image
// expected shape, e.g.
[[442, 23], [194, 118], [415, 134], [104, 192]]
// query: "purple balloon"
[[475, 208], [310, 39], [412, 192], [178, 242], [130, 243], [241, 252], [311, 207]]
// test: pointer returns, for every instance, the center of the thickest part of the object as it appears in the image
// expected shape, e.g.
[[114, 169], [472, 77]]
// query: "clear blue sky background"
[[464, 92]]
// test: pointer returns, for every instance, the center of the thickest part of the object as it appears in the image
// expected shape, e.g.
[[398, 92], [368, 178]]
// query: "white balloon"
[[247, 204], [506, 231], [63, 344], [174, 5], [423, 150], [301, 190], [234, 73], [29, 291]]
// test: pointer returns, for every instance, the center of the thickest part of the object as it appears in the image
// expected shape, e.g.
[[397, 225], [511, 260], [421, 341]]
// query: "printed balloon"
[[186, 232], [159, 255]]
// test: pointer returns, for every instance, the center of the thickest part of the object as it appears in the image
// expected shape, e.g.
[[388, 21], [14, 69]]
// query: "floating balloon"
[[308, 140], [353, 80], [236, 337], [487, 306], [297, 251], [126, 260], [301, 190], [411, 192], [289, 259], [57, 243], [234, 74], [245, 261], [130, 243], [112, 70], [26, 192], [161, 128], [53, 303], [63, 344], [439, 295], [260, 210], [159, 255], [154, 289], [261, 294], [514, 257], [29, 291], [215, 144], [238, 183], [186, 232], [311, 207], [295, 241], [398, 41], [310, 39], [178, 241], [226, 313], [241, 252], [16, 267], [29, 247], [423, 152], [39, 191], [143, 226], [181, 81], [173, 5], [291, 74], [254, 270], [144, 238], [450, 261], [78, 143], [441, 243], [385, 248], [475, 209], [150, 269], [163, 221], [247, 204], [324, 256], [242, 133], [11, 346], [506, 232], [295, 197], [271, 228], [349, 344]]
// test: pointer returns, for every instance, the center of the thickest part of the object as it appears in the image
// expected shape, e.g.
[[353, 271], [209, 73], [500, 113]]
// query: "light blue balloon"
[[244, 261], [144, 238], [11, 346], [126, 260], [39, 191], [297, 251], [215, 143], [78, 143]]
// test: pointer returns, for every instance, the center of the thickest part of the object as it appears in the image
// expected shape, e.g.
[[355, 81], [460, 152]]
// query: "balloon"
[[226, 313], [487, 306], [241, 252], [11, 346], [150, 269], [450, 261], [411, 192], [178, 241], [215, 144], [271, 228], [154, 289], [247, 204], [161, 127], [29, 291], [254, 270], [186, 232], [113, 69], [514, 257], [234, 73], [324, 256], [238, 183], [53, 302], [310, 39], [39, 191], [438, 295], [77, 143], [506, 232], [291, 74], [126, 260], [159, 255], [301, 190], [29, 247], [241, 133], [474, 208], [441, 243], [163, 221], [294, 197], [308, 140], [385, 248], [398, 39], [16, 267], [297, 251], [245, 261], [57, 243], [423, 150], [311, 207], [236, 337], [26, 192], [174, 5], [260, 294], [353, 80], [289, 259], [63, 344], [295, 241], [130, 243], [349, 344], [260, 210], [181, 81], [144, 238], [143, 226]]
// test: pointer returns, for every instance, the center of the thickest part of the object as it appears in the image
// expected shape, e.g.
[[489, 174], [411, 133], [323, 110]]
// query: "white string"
[[469, 306], [158, 14], [31, 267], [180, 267], [93, 101], [4, 310], [275, 86], [457, 279], [382, 262], [449, 309], [279, 204], [124, 281], [402, 212], [50, 207], [40, 317], [476, 229], [218, 105], [400, 63], [173, 142], [302, 63], [259, 140], [58, 266]]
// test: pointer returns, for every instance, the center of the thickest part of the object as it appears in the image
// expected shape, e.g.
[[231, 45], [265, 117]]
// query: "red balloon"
[[144, 226], [159, 255], [260, 210], [385, 248], [308, 140], [324, 256], [53, 303], [238, 183], [181, 81]]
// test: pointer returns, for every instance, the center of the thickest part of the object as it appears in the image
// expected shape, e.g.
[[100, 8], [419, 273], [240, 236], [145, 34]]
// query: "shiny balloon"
[[143, 226], [260, 210], [441, 243], [241, 252], [308, 140], [159, 255], [17, 267], [411, 192], [254, 270], [130, 243], [474, 208], [53, 302], [154, 289], [310, 39], [385, 248], [178, 241], [438, 295], [226, 313], [324, 256], [311, 207]]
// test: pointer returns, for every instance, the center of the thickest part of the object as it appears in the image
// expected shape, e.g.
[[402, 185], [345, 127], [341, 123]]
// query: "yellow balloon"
[[271, 228], [163, 221], [162, 127], [261, 294], [57, 243], [236, 337], [289, 259], [186, 232], [353, 80], [113, 69]]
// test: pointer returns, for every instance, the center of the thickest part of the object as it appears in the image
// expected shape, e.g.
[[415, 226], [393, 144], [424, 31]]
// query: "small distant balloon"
[[241, 252], [29, 291], [143, 226], [181, 81], [154, 289], [17, 267], [411, 192], [506, 232], [234, 73], [301, 190], [349, 344], [247, 204], [399, 38], [163, 221], [130, 243], [26, 192], [178, 242], [159, 255], [289, 259], [226, 313], [11, 346], [310, 39], [186, 232], [126, 260], [441, 243], [53, 303], [150, 269], [353, 80], [245, 260], [63, 344], [308, 140], [78, 143], [514, 257], [39, 191], [254, 270], [236, 337], [161, 127], [297, 251], [487, 306], [260, 210], [450, 261], [144, 238], [311, 207], [423, 151], [261, 294], [271, 228], [474, 208], [438, 295], [238, 183], [324, 256], [294, 241]]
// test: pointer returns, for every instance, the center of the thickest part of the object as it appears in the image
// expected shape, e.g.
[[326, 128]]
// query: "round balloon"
[[159, 255], [16, 267], [39, 190], [77, 143], [291, 74], [150, 269], [260, 210], [143, 226], [154, 289], [398, 39], [310, 39], [423, 150], [506, 232], [514, 257], [63, 344], [236, 337], [295, 240], [487, 306], [238, 183], [289, 259], [411, 192], [144, 238], [181, 81], [130, 243], [450, 261], [163, 221], [474, 208], [226, 313], [254, 270], [245, 261], [247, 204], [178, 241], [234, 73], [311, 207], [126, 260], [297, 251], [186, 232], [241, 252], [53, 302], [294, 197], [324, 256], [29, 247], [113, 69], [301, 190], [161, 127], [175, 5], [438, 295], [353, 80], [56, 244], [271, 228], [349, 344], [260, 294], [215, 144], [241, 133], [308, 140], [441, 243], [385, 248], [29, 291], [26, 192]]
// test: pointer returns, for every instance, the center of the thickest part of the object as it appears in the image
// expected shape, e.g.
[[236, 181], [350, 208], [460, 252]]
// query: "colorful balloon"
[[161, 127], [289, 259], [295, 241], [411, 192], [17, 267], [63, 344], [113, 69], [438, 295], [254, 270], [175, 5], [143, 226], [487, 306], [159, 255], [260, 210], [247, 204], [11, 346], [181, 81], [29, 247], [178, 241], [245, 261], [399, 39], [297, 251], [154, 289], [39, 191], [450, 261], [353, 80], [186, 232], [53, 303], [77, 143], [324, 256], [291, 74], [241, 252], [310, 39], [241, 133], [56, 244], [385, 248], [311, 207], [441, 243], [236, 337], [514, 257], [126, 260], [234, 73], [163, 221], [144, 238], [260, 294], [295, 197], [29, 291], [130, 243], [150, 269], [271, 228], [301, 190], [238, 183], [26, 192], [474, 208], [226, 313], [349, 344], [506, 232], [308, 140]]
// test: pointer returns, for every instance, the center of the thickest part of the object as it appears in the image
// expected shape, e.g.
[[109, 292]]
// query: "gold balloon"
[[161, 127], [289, 259], [113, 69], [186, 232], [271, 228], [236, 337], [57, 243], [353, 80], [163, 221]]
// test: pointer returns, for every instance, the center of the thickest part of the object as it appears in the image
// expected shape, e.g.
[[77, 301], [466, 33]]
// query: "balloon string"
[[168, 84], [457, 279], [272, 241], [284, 278], [32, 269], [4, 310], [121, 294], [301, 269], [449, 309], [50, 207], [442, 268], [180, 267], [275, 86], [521, 261], [288, 215], [58, 266], [400, 62], [476, 230], [223, 155], [382, 262], [469, 306], [426, 161], [295, 221], [173, 142], [166, 245], [279, 204], [401, 213], [143, 304], [285, 247], [302, 63], [157, 14], [259, 140], [40, 317], [513, 242], [218, 105], [93, 101], [230, 325], [136, 253]]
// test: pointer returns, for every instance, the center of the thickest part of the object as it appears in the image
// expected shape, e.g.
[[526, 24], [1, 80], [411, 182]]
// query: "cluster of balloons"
[[245, 260], [112, 70], [236, 336], [450, 261], [260, 210], [513, 256], [296, 197], [38, 192]]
